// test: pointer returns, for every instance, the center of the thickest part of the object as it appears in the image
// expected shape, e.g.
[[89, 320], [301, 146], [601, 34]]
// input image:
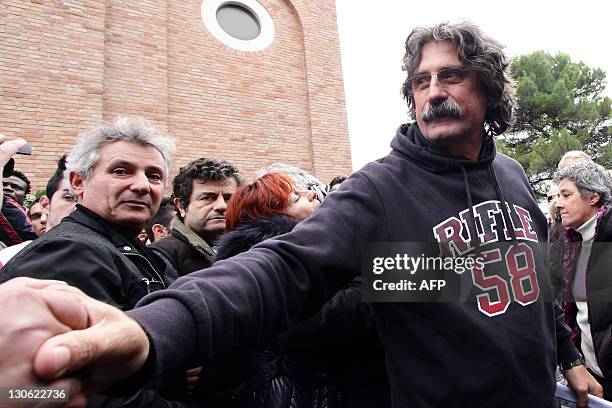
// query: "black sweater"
[[438, 354]]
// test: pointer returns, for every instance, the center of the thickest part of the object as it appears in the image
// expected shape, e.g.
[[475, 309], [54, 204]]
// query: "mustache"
[[446, 108]]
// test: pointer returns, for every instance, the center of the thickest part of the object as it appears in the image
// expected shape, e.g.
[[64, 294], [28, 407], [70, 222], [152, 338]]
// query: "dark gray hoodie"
[[459, 354]]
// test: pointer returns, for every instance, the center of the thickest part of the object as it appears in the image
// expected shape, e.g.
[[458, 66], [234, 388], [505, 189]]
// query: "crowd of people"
[[232, 293]]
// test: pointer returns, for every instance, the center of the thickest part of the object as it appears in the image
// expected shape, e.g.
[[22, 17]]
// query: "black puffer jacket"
[[331, 359]]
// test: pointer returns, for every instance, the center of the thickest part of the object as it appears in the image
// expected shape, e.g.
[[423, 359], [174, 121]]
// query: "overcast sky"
[[372, 36]]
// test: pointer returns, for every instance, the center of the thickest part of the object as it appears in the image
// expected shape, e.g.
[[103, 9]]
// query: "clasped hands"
[[51, 330]]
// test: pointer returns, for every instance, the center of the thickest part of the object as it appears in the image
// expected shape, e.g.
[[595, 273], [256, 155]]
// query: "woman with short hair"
[[584, 197]]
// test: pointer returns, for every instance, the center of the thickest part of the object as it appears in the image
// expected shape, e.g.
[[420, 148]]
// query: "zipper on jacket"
[[147, 281]]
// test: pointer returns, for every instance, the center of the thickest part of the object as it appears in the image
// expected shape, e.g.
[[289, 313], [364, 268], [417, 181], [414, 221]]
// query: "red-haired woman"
[[270, 195], [332, 359]]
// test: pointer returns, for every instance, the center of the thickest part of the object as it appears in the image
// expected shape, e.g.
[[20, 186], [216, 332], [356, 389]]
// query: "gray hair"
[[478, 52], [589, 178], [86, 153], [302, 179], [577, 155]]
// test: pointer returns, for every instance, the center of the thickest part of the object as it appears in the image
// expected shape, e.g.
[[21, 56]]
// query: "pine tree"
[[560, 108]]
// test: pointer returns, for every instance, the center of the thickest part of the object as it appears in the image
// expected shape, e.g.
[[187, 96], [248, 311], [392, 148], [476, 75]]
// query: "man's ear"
[[179, 206], [44, 202], [77, 182], [594, 199], [159, 231]]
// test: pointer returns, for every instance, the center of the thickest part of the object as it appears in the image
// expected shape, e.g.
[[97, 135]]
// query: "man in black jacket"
[[117, 172], [201, 190]]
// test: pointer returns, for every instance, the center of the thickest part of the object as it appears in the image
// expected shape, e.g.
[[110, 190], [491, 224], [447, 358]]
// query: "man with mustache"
[[117, 172], [201, 190]]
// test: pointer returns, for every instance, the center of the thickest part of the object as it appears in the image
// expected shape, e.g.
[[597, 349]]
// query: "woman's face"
[[302, 204], [575, 210]]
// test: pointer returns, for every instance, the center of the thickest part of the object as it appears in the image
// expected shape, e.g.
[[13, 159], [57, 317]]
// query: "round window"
[[242, 24], [238, 22]]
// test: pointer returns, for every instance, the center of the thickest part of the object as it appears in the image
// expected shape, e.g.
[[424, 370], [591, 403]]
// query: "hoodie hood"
[[410, 142]]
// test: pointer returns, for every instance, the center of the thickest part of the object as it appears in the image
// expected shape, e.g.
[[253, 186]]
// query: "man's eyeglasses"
[[446, 76]]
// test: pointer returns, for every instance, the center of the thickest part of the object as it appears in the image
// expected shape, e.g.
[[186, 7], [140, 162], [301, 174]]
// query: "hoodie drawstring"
[[500, 196], [506, 210], [475, 239]]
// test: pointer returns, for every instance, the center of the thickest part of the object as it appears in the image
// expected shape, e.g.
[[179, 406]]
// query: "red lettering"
[[448, 234]]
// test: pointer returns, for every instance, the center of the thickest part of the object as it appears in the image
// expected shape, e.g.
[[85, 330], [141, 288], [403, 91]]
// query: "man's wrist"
[[569, 365]]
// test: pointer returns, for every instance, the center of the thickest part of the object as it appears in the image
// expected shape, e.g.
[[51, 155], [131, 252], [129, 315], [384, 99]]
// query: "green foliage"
[[33, 196], [560, 108]]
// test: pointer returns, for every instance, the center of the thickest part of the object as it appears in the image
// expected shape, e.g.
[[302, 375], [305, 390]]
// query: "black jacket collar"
[[113, 232], [118, 236]]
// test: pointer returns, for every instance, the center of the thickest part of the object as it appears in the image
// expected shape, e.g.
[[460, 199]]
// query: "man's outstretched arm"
[[232, 303]]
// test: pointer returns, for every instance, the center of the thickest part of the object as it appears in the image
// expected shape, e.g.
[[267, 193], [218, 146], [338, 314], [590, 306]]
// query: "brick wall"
[[68, 65]]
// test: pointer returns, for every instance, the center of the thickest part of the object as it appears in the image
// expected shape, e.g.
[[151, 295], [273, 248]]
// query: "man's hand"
[[112, 347], [32, 313], [8, 148], [582, 382]]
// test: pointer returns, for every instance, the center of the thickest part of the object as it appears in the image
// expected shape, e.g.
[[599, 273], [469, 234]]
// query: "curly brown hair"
[[202, 169], [478, 52]]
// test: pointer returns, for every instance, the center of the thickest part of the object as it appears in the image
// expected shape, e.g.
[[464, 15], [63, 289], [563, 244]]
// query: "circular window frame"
[[264, 39]]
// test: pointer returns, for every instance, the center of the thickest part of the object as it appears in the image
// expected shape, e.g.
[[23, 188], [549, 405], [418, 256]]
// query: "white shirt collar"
[[587, 230]]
